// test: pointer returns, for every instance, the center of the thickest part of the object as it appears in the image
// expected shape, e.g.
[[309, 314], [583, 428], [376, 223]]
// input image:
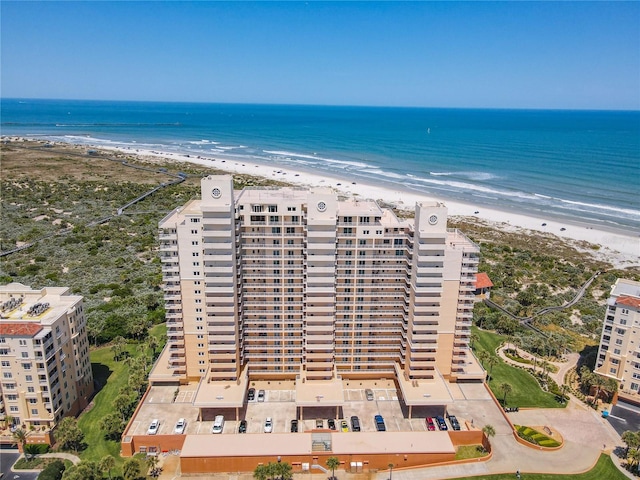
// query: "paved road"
[[7, 459]]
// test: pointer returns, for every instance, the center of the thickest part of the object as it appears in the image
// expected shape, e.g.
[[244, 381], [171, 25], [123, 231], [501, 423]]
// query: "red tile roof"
[[628, 301], [19, 329], [483, 281]]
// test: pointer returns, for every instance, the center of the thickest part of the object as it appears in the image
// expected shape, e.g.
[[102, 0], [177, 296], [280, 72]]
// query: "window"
[[31, 389], [7, 375], [28, 378], [198, 300], [195, 220], [25, 355], [613, 370], [194, 242], [5, 363], [194, 232]]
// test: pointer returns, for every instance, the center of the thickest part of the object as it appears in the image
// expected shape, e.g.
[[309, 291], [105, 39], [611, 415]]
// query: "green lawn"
[[113, 376], [604, 469], [526, 391], [465, 452]]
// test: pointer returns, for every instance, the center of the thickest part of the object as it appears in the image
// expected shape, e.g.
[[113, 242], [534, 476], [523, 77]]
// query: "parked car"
[[355, 424], [332, 424], [242, 428], [154, 427], [380, 426], [180, 426], [344, 426], [431, 425], [294, 425], [261, 395], [319, 423], [454, 422], [369, 394], [268, 424], [251, 395], [218, 424], [442, 425]]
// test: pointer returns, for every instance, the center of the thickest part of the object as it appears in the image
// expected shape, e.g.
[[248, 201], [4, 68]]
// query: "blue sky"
[[501, 55]]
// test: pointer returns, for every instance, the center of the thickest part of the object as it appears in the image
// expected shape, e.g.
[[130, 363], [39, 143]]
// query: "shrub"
[[53, 471]]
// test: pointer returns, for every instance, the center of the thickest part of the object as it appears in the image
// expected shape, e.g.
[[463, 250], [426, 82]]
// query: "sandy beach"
[[621, 249]]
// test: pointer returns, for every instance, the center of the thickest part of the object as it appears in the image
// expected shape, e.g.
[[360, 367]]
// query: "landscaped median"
[[531, 437]]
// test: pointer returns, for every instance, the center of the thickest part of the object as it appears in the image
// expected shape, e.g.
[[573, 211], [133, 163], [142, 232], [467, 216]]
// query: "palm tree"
[[506, 389], [152, 463], [599, 382], [491, 361], [107, 463], [632, 439], [633, 457], [153, 344], [473, 338], [564, 388], [483, 356], [333, 463], [20, 436], [489, 430]]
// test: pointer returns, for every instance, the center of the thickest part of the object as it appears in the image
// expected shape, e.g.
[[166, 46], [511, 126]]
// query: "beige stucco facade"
[[296, 283], [44, 355], [619, 352]]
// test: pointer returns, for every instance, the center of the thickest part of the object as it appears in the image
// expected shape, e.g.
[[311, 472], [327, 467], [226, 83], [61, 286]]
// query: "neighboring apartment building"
[[44, 355], [619, 352], [296, 283]]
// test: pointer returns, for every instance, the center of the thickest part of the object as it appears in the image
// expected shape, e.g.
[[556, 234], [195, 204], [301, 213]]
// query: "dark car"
[[380, 426], [431, 426], [442, 425], [242, 428], [454, 422], [355, 424], [294, 425], [332, 424], [251, 395]]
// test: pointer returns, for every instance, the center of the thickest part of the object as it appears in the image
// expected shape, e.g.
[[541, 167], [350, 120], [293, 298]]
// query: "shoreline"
[[619, 248]]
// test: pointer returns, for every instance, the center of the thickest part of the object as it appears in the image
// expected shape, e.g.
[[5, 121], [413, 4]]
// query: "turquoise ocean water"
[[574, 165]]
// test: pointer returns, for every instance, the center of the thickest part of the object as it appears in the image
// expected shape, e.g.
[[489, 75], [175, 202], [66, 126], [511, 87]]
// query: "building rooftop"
[[283, 444], [19, 329], [483, 281], [633, 302], [221, 393], [624, 287]]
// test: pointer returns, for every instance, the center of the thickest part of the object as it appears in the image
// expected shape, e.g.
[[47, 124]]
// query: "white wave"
[[480, 176], [284, 153], [476, 188], [626, 211]]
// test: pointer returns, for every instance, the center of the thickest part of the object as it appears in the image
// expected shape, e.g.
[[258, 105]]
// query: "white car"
[[154, 427], [180, 426], [268, 425]]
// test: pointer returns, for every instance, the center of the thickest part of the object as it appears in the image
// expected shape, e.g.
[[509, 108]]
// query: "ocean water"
[[574, 165]]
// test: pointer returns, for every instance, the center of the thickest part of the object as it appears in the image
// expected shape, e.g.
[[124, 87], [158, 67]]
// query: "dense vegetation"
[[53, 196]]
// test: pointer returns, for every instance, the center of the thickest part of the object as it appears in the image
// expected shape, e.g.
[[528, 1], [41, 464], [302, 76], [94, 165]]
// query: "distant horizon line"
[[325, 105]]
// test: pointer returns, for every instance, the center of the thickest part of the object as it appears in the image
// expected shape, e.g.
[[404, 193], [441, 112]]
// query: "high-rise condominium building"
[[44, 355], [297, 283], [619, 352]]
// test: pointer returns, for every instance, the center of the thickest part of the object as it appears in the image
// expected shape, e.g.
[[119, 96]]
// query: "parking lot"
[[170, 403]]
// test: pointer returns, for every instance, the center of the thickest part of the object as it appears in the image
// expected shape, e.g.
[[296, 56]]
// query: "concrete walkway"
[[64, 456]]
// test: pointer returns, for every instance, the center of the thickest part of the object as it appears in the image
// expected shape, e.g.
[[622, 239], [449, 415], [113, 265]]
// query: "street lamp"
[[390, 471]]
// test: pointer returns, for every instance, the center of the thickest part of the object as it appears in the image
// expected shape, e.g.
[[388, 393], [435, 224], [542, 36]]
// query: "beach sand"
[[620, 249]]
